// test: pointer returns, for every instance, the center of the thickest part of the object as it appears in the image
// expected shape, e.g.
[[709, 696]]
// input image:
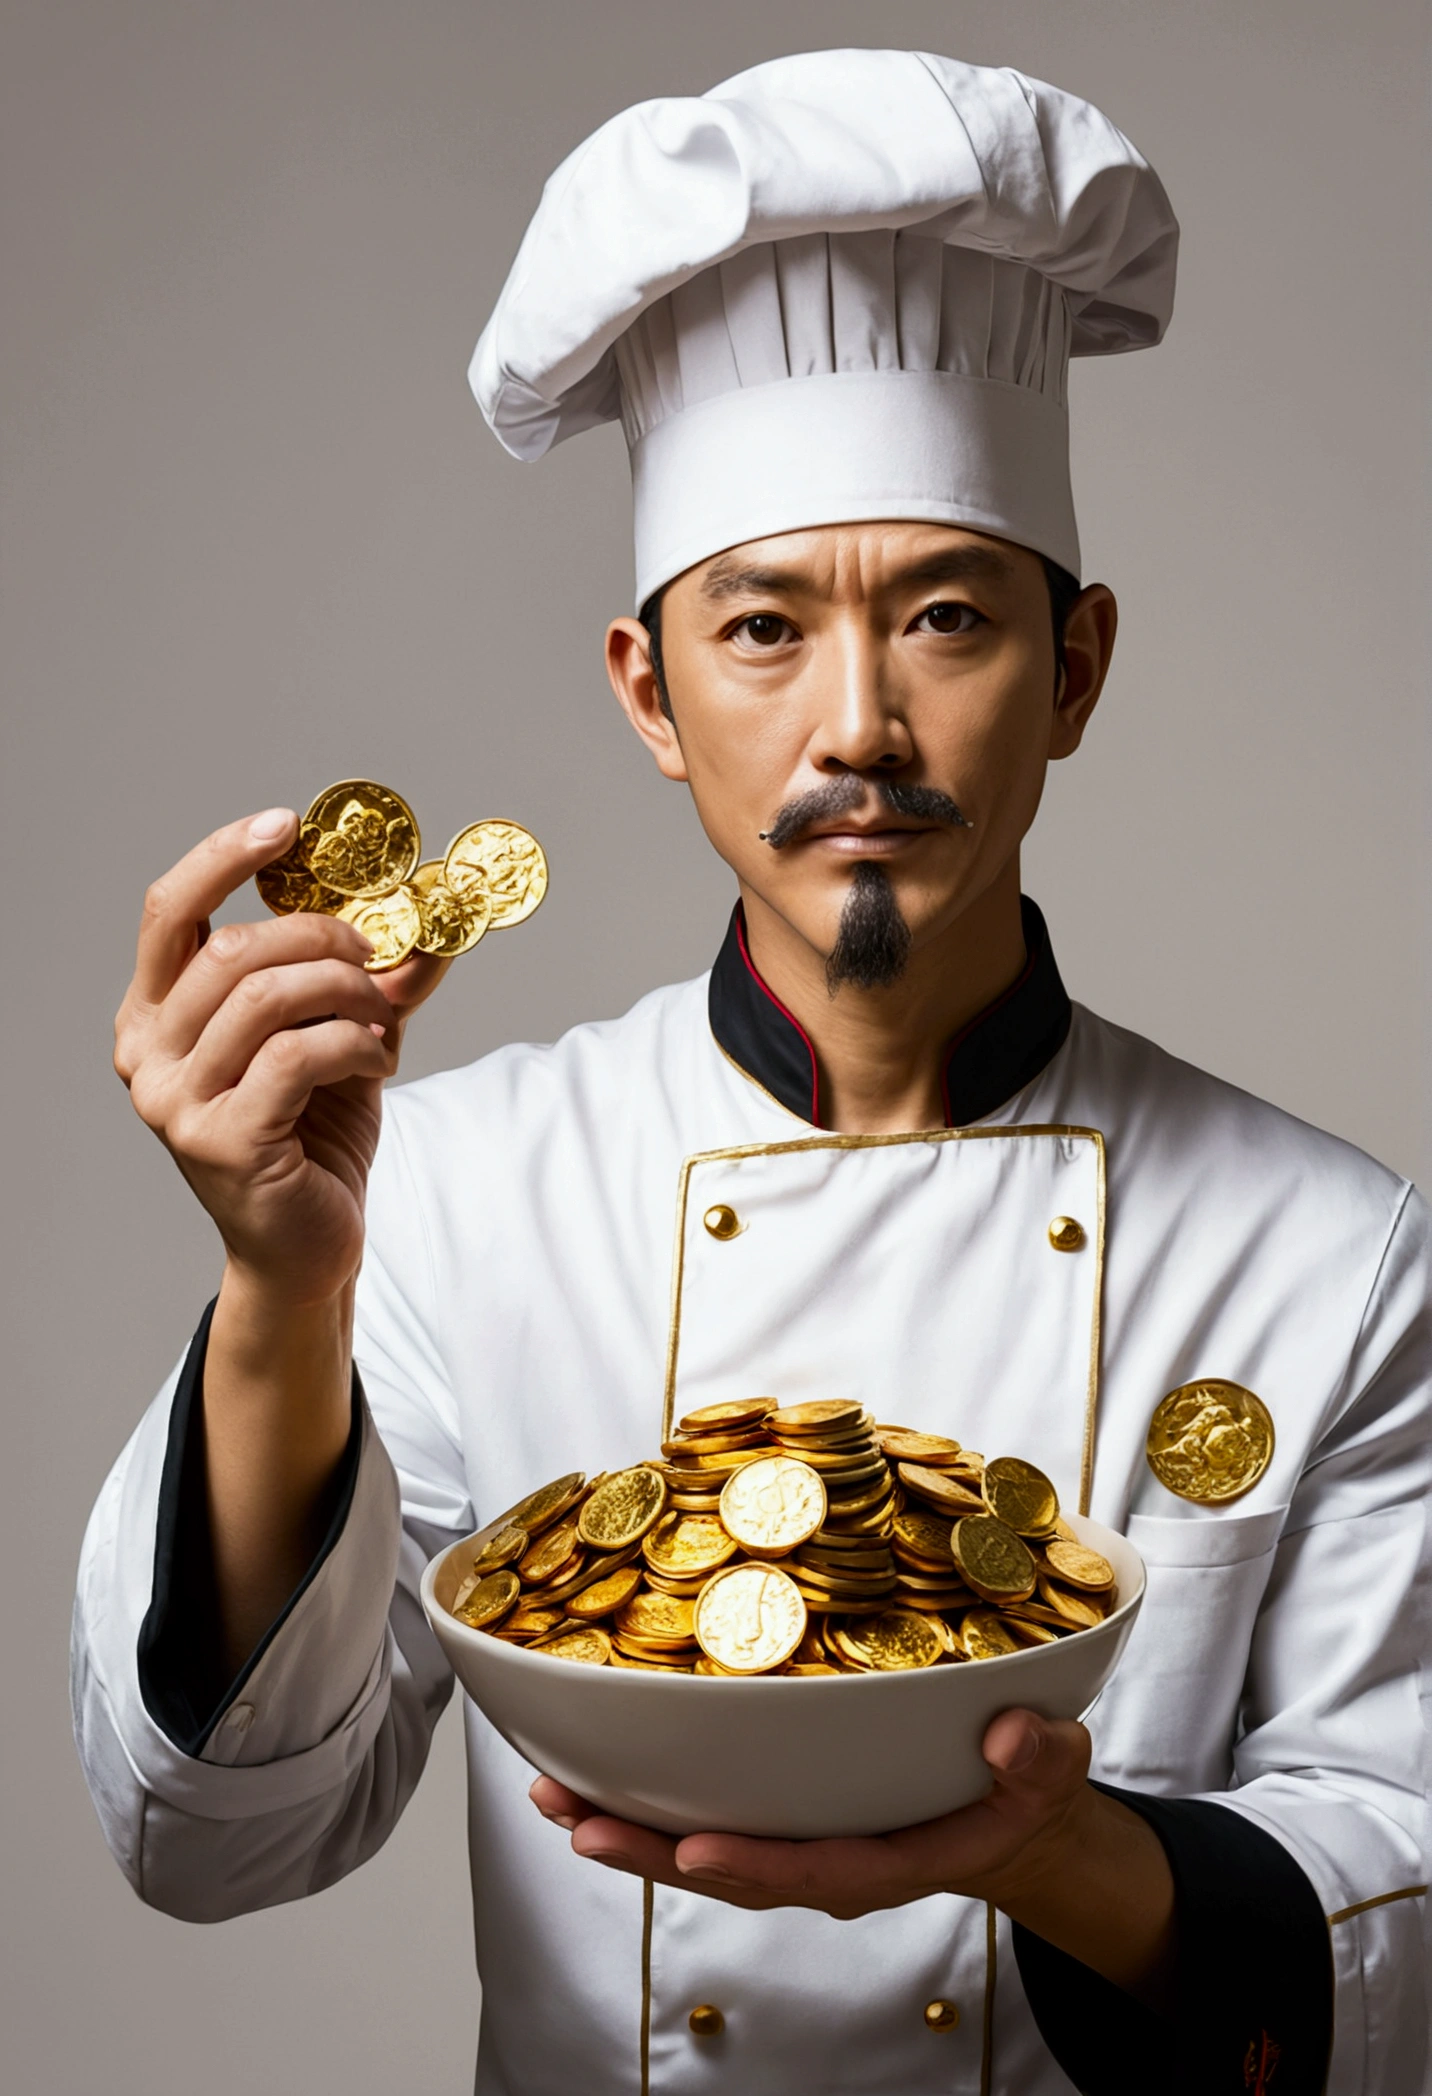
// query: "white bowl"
[[803, 1756]]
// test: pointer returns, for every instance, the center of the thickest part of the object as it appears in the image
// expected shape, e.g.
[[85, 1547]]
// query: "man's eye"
[[949, 618], [763, 630]]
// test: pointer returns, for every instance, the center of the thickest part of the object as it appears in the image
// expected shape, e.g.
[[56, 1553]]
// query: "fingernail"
[[561, 1819], [266, 828], [707, 1870], [1025, 1752], [613, 1857]]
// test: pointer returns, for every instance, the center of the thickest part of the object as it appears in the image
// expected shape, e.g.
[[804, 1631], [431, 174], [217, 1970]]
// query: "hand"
[[257, 1055], [1043, 1846]]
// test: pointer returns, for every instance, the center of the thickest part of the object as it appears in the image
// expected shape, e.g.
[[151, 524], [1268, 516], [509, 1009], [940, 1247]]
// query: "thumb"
[[1034, 1757]]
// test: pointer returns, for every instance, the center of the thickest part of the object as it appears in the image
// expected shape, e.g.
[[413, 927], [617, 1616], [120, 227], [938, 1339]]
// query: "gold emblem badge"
[[1210, 1441]]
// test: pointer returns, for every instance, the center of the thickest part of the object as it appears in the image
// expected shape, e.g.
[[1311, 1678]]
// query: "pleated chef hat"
[[837, 287]]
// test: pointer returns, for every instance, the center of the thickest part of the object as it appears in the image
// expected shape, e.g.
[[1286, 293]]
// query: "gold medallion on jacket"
[[1210, 1441]]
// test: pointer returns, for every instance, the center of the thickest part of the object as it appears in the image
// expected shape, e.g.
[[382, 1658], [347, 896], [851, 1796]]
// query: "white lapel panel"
[[913, 1272]]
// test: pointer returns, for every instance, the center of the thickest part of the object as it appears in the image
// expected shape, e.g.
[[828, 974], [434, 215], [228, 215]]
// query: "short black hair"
[[1063, 587]]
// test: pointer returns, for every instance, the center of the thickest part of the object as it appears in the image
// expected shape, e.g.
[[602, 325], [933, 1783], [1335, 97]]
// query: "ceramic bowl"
[[801, 1757]]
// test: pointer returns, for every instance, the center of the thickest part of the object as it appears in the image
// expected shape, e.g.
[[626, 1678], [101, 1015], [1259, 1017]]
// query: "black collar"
[[1002, 1049]]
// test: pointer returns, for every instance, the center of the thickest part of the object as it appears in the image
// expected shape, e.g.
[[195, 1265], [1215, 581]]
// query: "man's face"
[[812, 667]]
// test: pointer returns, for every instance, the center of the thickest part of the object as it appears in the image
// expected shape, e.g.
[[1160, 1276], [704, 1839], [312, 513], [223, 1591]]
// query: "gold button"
[[722, 1222], [1065, 1234], [706, 2019], [941, 2016]]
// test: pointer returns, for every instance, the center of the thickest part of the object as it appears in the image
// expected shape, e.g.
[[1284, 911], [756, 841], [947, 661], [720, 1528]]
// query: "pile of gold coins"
[[359, 856], [803, 1539]]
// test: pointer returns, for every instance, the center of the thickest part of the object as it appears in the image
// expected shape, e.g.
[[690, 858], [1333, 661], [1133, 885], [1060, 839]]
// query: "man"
[[832, 303]]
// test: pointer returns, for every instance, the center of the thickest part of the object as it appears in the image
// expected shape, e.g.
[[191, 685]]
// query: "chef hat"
[[840, 286]]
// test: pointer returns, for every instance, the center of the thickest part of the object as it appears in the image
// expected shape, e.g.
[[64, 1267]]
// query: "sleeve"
[[1252, 1987], [1302, 1884], [218, 1801]]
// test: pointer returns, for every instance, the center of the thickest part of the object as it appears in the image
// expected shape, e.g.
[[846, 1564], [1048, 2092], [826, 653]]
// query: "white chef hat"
[[838, 287]]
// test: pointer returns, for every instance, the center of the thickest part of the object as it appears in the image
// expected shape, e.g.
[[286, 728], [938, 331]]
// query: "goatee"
[[872, 944]]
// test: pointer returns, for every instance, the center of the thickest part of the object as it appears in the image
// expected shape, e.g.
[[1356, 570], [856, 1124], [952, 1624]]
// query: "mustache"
[[840, 796]]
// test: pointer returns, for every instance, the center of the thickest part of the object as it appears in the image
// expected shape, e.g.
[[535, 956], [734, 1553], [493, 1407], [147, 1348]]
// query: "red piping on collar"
[[966, 1030], [766, 991]]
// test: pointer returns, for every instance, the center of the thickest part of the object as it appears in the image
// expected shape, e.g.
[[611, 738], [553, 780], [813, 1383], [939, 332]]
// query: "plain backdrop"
[[257, 538]]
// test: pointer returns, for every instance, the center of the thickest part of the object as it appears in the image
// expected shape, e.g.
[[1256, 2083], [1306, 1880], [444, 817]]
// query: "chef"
[[876, 1152]]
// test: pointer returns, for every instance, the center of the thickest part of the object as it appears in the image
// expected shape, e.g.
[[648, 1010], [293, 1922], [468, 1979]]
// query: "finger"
[[1037, 1764], [622, 1846], [562, 1806], [839, 1875], [273, 1001], [239, 950], [182, 900], [290, 1067], [411, 983]]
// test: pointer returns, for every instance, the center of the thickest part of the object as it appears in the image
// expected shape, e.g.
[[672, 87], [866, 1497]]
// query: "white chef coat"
[[538, 1282]]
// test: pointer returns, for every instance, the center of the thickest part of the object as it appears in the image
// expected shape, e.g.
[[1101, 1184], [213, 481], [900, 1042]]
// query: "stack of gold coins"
[[793, 1540], [359, 856]]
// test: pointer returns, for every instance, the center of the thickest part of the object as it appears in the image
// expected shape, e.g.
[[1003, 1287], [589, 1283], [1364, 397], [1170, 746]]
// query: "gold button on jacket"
[[706, 2020]]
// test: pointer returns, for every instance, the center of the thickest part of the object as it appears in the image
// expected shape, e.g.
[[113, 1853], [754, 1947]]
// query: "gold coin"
[[503, 1549], [925, 1535], [818, 1666], [656, 1619], [545, 1558], [903, 1445], [526, 1623], [1021, 1496], [1084, 1610], [506, 860], [490, 1600], [895, 1640], [750, 1618], [984, 1636], [1210, 1441], [288, 885], [991, 1558], [546, 1505], [939, 1488], [820, 1416], [772, 1505], [644, 1665], [607, 1595], [730, 1413], [589, 1645], [622, 1509], [367, 838], [686, 1545], [1078, 1566], [450, 923], [392, 922], [1026, 1633]]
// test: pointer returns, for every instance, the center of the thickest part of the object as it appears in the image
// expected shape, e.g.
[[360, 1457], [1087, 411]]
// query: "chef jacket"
[[545, 1282]]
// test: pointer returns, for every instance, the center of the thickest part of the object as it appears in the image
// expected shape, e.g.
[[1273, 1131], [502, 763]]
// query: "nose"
[[860, 725]]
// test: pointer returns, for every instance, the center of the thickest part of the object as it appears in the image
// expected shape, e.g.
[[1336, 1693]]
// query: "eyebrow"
[[723, 579]]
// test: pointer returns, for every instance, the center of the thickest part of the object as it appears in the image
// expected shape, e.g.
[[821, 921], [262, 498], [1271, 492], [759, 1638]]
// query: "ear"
[[1088, 648], [634, 681]]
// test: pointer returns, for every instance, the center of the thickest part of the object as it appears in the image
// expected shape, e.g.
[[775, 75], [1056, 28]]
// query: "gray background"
[[257, 537]]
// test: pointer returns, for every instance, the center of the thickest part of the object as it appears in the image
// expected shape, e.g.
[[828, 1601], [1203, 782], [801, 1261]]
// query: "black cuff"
[[180, 1670], [1253, 1984]]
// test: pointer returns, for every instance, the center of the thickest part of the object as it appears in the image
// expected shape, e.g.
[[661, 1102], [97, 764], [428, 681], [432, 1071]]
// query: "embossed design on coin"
[[622, 1509], [749, 1619], [992, 1558], [502, 1549], [452, 923], [1210, 1441], [289, 885], [892, 1641], [549, 1554], [392, 922], [1021, 1496], [547, 1503], [490, 1600], [505, 859], [984, 1636], [367, 838], [592, 1647], [686, 1545], [773, 1505]]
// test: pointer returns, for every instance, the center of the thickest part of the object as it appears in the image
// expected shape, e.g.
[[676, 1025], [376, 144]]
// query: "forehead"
[[854, 562]]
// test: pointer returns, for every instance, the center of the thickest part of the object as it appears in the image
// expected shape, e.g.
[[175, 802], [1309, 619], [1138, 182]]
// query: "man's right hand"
[[257, 1055]]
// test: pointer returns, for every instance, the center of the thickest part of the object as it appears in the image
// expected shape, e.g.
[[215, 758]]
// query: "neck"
[[881, 1052]]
